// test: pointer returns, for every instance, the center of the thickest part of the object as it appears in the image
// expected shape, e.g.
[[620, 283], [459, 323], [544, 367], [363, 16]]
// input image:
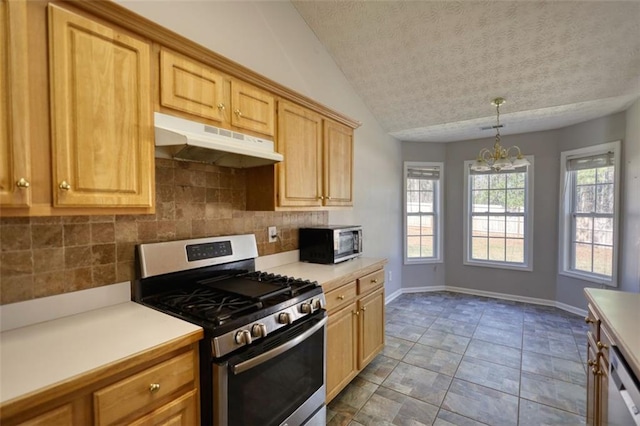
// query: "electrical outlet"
[[390, 277], [273, 234]]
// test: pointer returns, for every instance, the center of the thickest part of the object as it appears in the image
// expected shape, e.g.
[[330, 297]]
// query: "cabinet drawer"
[[604, 343], [139, 392], [594, 322], [341, 296], [371, 282]]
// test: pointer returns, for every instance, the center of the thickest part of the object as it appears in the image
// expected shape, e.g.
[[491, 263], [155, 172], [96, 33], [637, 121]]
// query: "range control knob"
[[243, 337], [284, 318], [316, 304], [259, 330], [306, 308]]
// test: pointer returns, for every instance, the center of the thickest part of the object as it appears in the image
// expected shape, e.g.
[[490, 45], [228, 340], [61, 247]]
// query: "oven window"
[[270, 392]]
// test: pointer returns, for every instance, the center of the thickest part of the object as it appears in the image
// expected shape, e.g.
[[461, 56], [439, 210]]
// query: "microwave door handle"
[[262, 358]]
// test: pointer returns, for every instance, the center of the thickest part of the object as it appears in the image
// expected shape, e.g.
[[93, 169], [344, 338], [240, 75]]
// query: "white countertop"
[[43, 354], [620, 312], [326, 275]]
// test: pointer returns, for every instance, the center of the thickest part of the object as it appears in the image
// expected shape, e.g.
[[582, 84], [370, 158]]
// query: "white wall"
[[270, 37]]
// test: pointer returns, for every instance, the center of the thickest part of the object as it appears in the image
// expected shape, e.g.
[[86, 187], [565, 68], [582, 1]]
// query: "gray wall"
[[543, 282], [426, 275], [272, 39], [606, 129], [538, 283], [629, 271]]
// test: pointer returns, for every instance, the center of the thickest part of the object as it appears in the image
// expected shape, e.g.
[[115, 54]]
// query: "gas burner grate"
[[208, 304], [296, 285]]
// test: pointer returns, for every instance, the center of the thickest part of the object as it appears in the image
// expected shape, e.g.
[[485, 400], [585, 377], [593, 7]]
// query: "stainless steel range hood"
[[186, 140]]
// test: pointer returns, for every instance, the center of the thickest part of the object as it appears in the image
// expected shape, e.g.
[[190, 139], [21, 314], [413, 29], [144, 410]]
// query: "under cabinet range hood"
[[185, 140]]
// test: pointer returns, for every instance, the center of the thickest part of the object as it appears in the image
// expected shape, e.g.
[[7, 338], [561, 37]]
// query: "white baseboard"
[[493, 295]]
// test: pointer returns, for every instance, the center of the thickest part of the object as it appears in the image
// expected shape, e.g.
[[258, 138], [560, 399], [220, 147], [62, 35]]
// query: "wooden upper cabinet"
[[253, 108], [317, 171], [300, 142], [191, 87], [194, 88], [101, 114], [338, 164], [15, 170]]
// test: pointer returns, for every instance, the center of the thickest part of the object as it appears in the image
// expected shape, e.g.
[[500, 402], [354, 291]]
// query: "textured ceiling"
[[428, 70]]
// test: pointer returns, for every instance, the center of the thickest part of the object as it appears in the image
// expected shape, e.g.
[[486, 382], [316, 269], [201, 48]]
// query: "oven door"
[[347, 244], [281, 380]]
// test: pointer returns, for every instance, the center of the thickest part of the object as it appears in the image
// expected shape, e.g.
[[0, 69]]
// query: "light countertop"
[[620, 312], [40, 355], [331, 276]]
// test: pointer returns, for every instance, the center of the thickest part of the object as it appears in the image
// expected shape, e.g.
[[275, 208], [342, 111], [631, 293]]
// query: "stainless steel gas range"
[[262, 361]]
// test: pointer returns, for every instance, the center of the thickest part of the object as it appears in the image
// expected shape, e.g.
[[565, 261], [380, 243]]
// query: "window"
[[588, 213], [498, 226], [423, 212]]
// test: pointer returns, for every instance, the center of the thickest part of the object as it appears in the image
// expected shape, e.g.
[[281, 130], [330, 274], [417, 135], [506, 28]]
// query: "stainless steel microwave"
[[330, 244]]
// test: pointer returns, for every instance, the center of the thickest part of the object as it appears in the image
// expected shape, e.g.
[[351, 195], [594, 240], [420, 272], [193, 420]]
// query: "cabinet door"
[[15, 173], [300, 142], [253, 109], [182, 411], [61, 416], [101, 114], [338, 164], [602, 377], [342, 342], [371, 330], [192, 87], [592, 382]]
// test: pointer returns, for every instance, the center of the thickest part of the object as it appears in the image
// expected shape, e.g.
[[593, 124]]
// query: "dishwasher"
[[624, 393]]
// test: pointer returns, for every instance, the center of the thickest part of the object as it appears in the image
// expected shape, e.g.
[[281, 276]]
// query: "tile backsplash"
[[43, 256]]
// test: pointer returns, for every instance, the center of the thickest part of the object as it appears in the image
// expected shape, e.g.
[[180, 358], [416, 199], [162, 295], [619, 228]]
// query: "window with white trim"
[[423, 183], [498, 227], [589, 213]]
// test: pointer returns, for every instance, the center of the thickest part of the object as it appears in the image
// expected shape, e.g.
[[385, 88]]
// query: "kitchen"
[[378, 164]]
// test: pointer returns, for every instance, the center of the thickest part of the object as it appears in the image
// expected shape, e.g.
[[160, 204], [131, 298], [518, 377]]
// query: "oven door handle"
[[254, 362]]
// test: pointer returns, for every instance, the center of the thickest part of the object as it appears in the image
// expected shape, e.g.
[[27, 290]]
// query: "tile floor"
[[457, 359]]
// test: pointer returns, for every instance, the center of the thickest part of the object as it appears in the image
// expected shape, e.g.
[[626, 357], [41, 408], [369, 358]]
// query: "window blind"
[[501, 172], [590, 162], [424, 173]]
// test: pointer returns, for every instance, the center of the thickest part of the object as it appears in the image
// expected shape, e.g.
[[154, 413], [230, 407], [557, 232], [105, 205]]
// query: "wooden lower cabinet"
[[598, 346], [58, 416], [342, 353], [355, 331], [182, 411], [371, 327], [155, 390], [592, 385]]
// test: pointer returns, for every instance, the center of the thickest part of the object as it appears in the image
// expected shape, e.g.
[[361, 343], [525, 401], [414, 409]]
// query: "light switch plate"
[[273, 234]]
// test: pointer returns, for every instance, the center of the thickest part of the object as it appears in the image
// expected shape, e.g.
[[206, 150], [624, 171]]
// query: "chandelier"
[[499, 158]]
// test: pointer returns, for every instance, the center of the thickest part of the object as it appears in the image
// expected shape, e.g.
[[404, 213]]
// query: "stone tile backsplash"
[[43, 256]]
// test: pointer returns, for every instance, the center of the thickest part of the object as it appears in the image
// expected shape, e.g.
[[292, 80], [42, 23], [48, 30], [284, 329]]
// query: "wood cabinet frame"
[[355, 330], [36, 128], [74, 398]]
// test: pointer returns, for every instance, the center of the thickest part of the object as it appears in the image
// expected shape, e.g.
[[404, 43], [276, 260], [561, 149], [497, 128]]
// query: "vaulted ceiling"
[[428, 70]]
